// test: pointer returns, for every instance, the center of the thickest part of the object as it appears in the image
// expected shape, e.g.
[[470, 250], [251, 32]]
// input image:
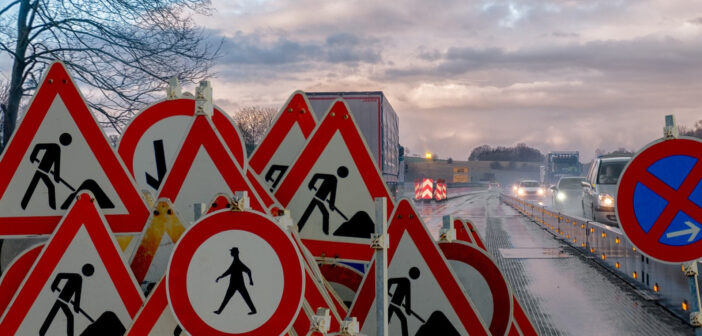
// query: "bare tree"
[[124, 50], [254, 122]]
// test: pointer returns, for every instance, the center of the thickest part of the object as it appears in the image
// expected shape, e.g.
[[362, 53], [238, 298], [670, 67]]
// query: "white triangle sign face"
[[283, 142], [79, 283], [203, 168], [155, 318], [57, 151], [330, 189], [425, 297], [152, 140]]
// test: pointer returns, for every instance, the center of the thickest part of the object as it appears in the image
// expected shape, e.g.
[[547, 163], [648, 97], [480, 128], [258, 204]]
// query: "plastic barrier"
[[609, 246]]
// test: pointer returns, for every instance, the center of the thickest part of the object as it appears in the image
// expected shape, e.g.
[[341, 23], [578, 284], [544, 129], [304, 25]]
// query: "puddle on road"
[[534, 253]]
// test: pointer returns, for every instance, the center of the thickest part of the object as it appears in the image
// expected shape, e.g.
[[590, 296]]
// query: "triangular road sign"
[[79, 281], [155, 317], [57, 151], [203, 168], [330, 189], [418, 276], [162, 231], [17, 270], [220, 202], [284, 141], [152, 139]]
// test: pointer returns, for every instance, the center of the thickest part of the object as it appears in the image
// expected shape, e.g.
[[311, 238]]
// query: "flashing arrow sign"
[[692, 231]]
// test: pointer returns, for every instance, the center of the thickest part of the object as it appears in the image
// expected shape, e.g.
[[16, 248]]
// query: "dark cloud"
[[638, 58], [564, 34], [260, 49]]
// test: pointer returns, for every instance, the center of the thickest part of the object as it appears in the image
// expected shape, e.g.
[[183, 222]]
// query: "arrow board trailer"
[[283, 142], [425, 296], [79, 283], [235, 273], [152, 140], [57, 151], [378, 123], [659, 200], [203, 168], [331, 188]]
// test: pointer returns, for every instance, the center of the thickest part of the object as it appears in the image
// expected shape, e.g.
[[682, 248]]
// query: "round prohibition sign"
[[498, 290], [235, 273], [659, 200]]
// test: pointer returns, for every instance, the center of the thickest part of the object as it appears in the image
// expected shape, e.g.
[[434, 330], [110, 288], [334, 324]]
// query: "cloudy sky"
[[557, 75]]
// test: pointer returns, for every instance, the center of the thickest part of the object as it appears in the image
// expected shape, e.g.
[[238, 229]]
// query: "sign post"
[[380, 244], [659, 204]]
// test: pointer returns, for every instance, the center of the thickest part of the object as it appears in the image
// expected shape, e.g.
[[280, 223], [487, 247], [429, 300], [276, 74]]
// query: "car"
[[600, 189], [530, 190], [567, 194]]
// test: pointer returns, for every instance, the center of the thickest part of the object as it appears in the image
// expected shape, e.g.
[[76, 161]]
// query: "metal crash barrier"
[[666, 283]]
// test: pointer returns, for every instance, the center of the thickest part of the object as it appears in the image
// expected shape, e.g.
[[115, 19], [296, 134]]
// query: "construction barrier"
[[425, 191], [609, 246]]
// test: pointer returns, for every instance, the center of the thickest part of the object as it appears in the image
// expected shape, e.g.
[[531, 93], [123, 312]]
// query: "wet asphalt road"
[[565, 293]]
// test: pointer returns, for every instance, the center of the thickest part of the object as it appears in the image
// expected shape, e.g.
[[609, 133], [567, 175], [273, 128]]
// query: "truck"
[[378, 123], [560, 164]]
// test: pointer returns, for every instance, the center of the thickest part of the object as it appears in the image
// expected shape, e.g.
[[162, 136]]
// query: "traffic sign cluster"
[[177, 230]]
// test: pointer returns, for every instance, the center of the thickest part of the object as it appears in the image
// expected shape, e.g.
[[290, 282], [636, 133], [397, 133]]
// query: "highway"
[[562, 291]]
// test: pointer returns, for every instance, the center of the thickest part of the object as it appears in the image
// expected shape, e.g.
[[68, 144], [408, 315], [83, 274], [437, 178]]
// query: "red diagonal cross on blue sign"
[[659, 200]]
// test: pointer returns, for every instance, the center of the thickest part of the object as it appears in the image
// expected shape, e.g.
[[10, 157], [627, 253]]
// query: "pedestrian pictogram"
[[16, 272], [284, 141], [162, 231], [425, 295], [58, 151], [482, 279], [331, 187], [153, 138], [155, 317], [203, 168], [235, 273], [659, 203], [79, 284]]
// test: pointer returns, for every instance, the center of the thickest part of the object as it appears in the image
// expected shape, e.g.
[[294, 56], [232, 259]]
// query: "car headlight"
[[540, 191], [514, 188], [606, 200], [561, 196], [520, 192]]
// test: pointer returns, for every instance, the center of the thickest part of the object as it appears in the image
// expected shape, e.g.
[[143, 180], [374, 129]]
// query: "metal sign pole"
[[380, 243]]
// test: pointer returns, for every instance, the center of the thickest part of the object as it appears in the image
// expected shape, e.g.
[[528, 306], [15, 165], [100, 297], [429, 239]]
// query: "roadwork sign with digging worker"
[[331, 187], [50, 164], [58, 151]]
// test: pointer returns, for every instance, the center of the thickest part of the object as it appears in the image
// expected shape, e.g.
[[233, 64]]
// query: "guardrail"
[[609, 246]]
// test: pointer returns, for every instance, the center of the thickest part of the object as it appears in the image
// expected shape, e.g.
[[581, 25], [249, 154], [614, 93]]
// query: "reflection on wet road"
[[563, 292]]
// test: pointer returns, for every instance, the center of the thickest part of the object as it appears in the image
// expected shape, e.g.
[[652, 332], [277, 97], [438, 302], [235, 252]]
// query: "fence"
[[607, 245]]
